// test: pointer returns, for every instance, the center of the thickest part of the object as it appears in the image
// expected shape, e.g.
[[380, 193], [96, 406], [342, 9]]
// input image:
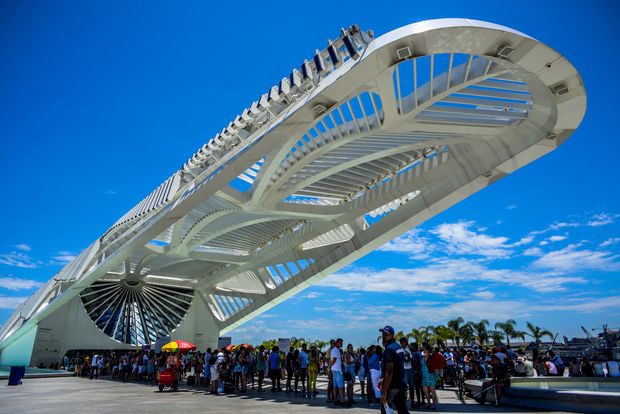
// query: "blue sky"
[[102, 102]]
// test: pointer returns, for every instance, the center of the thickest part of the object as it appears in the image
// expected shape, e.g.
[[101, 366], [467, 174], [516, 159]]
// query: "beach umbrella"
[[178, 345], [230, 348]]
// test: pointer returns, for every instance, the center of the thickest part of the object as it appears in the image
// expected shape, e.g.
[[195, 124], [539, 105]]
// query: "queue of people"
[[388, 375]]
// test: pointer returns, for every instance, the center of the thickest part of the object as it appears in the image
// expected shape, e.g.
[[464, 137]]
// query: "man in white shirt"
[[94, 367], [337, 375]]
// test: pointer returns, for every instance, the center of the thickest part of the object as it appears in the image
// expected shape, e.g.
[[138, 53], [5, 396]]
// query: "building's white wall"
[[198, 327], [69, 327], [19, 352]]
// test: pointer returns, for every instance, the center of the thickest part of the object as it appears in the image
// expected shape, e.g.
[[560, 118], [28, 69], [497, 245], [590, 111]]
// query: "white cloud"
[[11, 302], [14, 283], [110, 192], [63, 257], [610, 242], [524, 240], [311, 295], [556, 238], [601, 219], [511, 207], [443, 275], [585, 305], [459, 238], [484, 294], [23, 247], [533, 251], [18, 259], [571, 259], [411, 243]]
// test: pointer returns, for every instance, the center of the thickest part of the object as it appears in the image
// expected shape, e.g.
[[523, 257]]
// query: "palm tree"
[[319, 344], [466, 332], [443, 333], [297, 342], [537, 333], [269, 344], [480, 329], [497, 336], [455, 324], [419, 335], [509, 330], [399, 334]]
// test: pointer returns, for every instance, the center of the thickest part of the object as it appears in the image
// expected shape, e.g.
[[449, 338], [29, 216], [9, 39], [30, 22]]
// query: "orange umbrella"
[[178, 345]]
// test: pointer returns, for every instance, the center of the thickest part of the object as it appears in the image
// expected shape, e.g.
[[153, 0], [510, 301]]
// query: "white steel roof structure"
[[363, 141]]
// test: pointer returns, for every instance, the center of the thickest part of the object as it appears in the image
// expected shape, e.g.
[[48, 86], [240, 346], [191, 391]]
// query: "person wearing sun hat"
[[393, 393]]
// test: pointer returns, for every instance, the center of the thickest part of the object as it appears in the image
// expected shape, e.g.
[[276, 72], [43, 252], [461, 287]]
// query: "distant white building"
[[363, 141]]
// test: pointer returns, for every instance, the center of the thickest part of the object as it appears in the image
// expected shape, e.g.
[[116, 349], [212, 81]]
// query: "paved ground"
[[80, 395]]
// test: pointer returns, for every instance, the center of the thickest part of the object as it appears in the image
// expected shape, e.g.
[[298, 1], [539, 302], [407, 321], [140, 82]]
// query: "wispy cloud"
[[63, 257], [11, 302], [411, 243], [23, 247], [442, 276], [484, 294], [462, 238], [601, 219], [15, 283], [18, 259], [511, 207], [610, 242], [570, 259]]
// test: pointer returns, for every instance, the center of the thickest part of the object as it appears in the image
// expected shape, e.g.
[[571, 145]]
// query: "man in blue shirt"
[[274, 369], [303, 364], [393, 393]]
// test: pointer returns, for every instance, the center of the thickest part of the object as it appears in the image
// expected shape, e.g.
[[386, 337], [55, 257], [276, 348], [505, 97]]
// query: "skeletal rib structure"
[[365, 140]]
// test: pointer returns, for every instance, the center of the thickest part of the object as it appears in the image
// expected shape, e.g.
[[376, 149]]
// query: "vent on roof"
[[403, 53], [560, 89], [551, 136], [319, 108], [487, 174], [505, 51]]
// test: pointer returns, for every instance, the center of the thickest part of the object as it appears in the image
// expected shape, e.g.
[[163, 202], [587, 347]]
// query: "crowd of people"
[[390, 374]]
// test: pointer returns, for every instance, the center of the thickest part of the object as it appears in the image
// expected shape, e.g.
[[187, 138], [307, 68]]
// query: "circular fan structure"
[[136, 312]]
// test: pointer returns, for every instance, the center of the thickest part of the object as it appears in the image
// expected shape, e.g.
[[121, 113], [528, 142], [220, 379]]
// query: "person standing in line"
[[416, 365], [330, 380], [94, 366], [289, 369], [274, 369], [350, 360], [261, 366], [361, 372], [409, 377], [314, 359], [429, 379], [374, 365], [393, 384], [337, 375], [303, 368]]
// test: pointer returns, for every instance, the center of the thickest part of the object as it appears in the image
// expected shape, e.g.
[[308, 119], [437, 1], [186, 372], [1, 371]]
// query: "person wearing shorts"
[[335, 363]]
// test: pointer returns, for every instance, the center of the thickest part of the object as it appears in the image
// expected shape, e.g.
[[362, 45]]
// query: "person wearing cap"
[[393, 392]]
